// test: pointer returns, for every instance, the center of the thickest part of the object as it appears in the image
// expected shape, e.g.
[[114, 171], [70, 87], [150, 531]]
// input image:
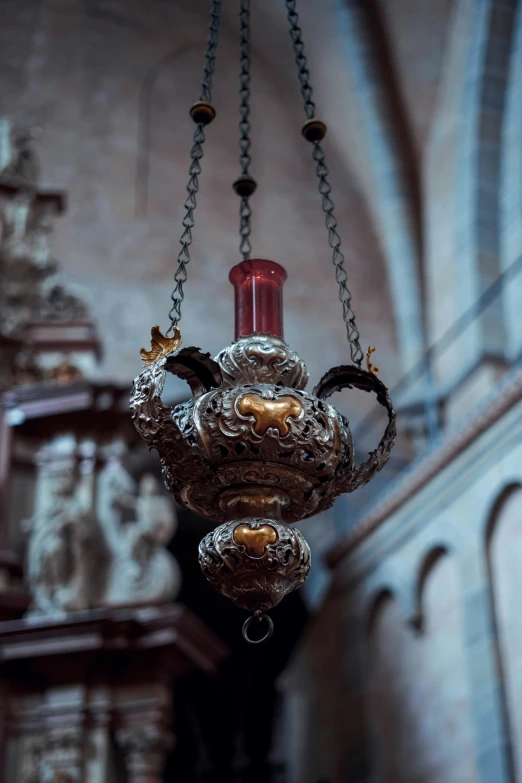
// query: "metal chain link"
[[245, 143], [334, 240], [211, 52], [324, 187], [303, 73], [196, 153]]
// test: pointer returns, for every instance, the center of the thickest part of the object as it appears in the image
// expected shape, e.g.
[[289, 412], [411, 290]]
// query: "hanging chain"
[[334, 240], [196, 153], [211, 52], [245, 143], [296, 34], [315, 132]]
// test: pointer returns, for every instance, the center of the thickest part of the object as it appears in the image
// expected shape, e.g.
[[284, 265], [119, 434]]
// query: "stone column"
[[145, 749], [492, 740]]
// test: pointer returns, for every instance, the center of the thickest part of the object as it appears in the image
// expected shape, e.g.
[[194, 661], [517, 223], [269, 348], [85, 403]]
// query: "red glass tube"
[[258, 286]]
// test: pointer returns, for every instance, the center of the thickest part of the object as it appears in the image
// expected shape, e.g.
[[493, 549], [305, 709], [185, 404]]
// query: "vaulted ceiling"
[[110, 83]]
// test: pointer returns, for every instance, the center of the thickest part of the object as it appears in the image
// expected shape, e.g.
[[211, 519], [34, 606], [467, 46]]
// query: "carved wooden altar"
[[89, 699]]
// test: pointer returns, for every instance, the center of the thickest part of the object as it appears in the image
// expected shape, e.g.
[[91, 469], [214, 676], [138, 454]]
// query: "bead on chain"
[[314, 130], [245, 185], [202, 112]]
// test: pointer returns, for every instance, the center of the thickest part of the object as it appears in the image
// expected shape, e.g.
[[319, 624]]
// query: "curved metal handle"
[[352, 377], [198, 369], [150, 414]]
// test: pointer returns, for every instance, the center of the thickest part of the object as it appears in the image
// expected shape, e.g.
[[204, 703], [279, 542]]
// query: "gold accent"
[[270, 413], [371, 367], [255, 541], [64, 373], [254, 501], [160, 346]]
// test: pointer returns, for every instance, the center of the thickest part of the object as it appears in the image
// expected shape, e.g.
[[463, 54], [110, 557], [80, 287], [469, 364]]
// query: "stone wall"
[[110, 84], [427, 676]]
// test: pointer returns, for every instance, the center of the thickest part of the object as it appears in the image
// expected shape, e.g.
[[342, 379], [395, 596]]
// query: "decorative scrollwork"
[[256, 582], [262, 358], [312, 443]]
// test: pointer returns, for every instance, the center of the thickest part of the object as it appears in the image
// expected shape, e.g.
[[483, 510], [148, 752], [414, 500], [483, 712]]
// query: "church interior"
[[209, 572]]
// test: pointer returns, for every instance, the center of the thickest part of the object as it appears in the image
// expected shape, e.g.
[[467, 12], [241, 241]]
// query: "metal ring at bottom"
[[259, 618]]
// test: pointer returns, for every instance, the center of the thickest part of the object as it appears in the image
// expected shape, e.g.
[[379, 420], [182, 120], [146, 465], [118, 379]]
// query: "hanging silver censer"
[[252, 450]]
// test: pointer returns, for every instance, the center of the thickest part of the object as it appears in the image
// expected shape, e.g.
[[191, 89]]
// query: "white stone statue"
[[141, 569], [82, 553], [61, 534]]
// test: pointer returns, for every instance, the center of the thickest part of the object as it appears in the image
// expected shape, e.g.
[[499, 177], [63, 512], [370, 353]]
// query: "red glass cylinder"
[[258, 287]]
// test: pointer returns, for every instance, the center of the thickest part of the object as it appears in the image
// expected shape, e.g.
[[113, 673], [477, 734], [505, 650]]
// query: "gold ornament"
[[371, 367], [255, 541], [160, 345], [270, 413]]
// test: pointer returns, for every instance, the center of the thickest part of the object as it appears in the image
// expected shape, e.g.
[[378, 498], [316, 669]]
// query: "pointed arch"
[[495, 511], [427, 564], [505, 632], [379, 599]]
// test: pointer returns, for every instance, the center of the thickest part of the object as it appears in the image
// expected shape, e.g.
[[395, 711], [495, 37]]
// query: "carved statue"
[[81, 552], [141, 570], [60, 540], [31, 286], [22, 164]]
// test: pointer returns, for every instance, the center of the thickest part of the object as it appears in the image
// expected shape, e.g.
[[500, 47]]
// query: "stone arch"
[[374, 607], [464, 161], [428, 562], [387, 582], [503, 542], [479, 170], [407, 742], [149, 81], [495, 511]]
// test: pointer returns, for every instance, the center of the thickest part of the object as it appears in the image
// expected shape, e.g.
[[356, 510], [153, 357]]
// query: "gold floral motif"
[[160, 345], [371, 367], [255, 540], [270, 413]]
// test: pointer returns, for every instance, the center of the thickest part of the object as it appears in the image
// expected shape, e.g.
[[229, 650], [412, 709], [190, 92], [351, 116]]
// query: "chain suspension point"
[[314, 130], [202, 112], [245, 186]]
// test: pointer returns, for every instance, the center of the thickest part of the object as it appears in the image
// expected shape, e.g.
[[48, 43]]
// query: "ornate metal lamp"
[[252, 450]]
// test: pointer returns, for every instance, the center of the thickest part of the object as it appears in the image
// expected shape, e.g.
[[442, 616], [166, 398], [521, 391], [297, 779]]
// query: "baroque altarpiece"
[[90, 639]]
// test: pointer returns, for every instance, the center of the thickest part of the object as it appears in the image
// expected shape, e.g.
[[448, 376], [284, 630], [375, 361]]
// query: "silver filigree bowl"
[[251, 424]]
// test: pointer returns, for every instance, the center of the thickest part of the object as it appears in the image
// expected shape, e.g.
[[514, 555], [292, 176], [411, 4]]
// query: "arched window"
[[504, 553], [418, 697]]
